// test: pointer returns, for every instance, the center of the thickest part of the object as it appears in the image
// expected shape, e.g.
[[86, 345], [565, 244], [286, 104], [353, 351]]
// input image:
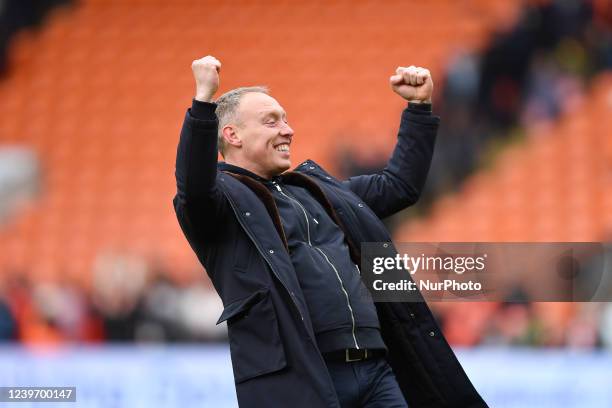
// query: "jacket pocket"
[[254, 338]]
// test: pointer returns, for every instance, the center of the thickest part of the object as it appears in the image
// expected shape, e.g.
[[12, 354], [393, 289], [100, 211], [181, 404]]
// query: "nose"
[[286, 130]]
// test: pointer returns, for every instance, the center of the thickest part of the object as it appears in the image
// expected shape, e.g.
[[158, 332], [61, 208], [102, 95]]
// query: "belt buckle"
[[348, 359]]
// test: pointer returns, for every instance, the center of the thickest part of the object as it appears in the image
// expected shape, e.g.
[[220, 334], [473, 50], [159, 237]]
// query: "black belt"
[[351, 355]]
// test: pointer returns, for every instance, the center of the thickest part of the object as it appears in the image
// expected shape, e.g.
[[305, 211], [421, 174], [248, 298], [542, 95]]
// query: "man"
[[282, 250]]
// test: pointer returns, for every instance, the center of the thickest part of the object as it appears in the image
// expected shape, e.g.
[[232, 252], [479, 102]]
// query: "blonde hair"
[[227, 108]]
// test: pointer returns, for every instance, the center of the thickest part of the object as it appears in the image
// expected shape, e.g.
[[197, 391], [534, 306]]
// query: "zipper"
[[264, 255], [348, 302], [301, 206]]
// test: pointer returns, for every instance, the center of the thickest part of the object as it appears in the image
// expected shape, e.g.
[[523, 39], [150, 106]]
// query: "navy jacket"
[[342, 314], [232, 224]]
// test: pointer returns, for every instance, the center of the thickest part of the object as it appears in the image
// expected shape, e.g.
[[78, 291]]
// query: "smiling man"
[[282, 249], [253, 131]]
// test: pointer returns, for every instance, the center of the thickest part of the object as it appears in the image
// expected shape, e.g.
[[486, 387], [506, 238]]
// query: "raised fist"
[[206, 75], [413, 84]]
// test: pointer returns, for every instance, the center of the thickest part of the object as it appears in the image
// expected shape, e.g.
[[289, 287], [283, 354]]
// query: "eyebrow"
[[265, 114]]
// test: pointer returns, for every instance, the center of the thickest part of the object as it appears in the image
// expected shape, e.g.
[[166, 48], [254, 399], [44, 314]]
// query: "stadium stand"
[[99, 92], [555, 186]]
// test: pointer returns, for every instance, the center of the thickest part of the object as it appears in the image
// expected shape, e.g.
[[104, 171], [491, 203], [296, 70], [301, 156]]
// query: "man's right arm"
[[198, 202]]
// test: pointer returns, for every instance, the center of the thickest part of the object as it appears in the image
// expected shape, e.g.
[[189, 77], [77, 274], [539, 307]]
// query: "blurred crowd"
[[129, 300], [132, 300], [542, 324]]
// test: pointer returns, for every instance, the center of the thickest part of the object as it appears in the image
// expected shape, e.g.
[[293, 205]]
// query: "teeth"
[[283, 148]]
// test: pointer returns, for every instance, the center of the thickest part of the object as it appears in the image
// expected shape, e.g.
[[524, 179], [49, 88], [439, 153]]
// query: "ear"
[[230, 136]]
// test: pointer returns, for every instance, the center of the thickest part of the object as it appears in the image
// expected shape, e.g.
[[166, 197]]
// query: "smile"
[[283, 147]]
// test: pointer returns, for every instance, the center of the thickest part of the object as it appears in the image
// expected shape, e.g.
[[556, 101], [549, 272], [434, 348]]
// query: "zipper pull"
[[315, 220], [278, 187]]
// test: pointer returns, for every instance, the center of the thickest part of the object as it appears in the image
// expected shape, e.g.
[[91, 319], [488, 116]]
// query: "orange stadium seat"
[[99, 93], [553, 187]]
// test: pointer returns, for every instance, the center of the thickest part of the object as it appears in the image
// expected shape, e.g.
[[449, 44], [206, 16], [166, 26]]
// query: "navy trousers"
[[366, 384]]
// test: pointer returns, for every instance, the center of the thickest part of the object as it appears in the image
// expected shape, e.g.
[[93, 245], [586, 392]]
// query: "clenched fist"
[[206, 75], [413, 84]]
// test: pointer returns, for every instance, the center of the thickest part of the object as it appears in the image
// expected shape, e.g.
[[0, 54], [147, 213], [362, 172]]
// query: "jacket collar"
[[224, 166], [295, 177]]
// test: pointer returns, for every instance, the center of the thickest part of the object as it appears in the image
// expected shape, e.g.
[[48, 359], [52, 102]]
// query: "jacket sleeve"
[[400, 183], [198, 202]]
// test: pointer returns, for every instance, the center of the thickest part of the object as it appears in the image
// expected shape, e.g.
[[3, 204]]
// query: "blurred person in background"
[[8, 324], [305, 334], [119, 282]]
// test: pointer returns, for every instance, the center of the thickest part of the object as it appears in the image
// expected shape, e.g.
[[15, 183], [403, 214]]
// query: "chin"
[[283, 166]]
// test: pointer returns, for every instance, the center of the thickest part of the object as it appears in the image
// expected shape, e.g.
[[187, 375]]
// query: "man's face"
[[265, 135]]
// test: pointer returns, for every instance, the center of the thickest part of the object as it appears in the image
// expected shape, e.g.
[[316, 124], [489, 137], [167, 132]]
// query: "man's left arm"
[[400, 184]]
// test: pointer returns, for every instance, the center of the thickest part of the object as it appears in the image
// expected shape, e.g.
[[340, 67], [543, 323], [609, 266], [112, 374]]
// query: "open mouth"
[[283, 147]]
